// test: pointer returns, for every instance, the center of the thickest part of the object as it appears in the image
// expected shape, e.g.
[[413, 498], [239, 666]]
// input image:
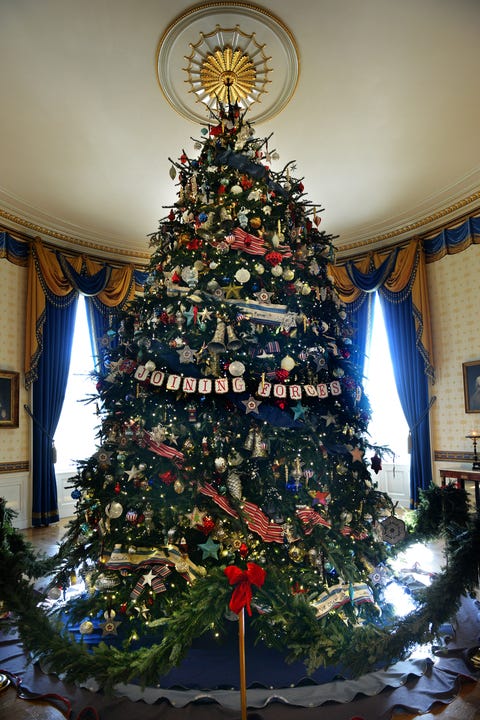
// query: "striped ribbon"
[[261, 524], [164, 450], [310, 518], [157, 583]]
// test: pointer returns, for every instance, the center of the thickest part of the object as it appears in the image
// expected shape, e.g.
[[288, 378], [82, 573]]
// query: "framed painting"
[[9, 387], [471, 386]]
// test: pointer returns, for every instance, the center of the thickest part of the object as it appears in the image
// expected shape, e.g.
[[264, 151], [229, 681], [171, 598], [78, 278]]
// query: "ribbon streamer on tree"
[[152, 578]]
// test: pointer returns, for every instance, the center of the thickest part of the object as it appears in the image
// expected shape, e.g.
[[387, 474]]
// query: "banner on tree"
[[223, 385]]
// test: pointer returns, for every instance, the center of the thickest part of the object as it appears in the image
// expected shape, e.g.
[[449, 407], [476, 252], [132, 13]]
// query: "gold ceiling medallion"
[[228, 74], [236, 71], [225, 45]]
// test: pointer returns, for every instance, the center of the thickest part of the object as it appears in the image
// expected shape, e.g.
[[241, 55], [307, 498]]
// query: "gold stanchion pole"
[[241, 655]]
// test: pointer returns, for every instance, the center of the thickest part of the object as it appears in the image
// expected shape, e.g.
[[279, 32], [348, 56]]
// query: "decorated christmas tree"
[[233, 434]]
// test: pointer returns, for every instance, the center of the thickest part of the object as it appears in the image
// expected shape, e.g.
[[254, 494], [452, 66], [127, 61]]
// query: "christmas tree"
[[233, 429]]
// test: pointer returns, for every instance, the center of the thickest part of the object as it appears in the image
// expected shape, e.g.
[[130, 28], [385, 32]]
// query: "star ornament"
[[232, 291], [357, 454], [298, 411], [132, 473], [109, 627], [209, 549], [251, 405], [148, 578], [186, 355], [329, 419]]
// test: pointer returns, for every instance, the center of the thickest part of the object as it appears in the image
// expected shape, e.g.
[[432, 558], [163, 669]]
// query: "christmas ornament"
[[236, 368], [234, 484], [242, 276], [376, 463], [220, 464], [113, 510], [287, 363], [209, 549], [86, 627], [392, 530]]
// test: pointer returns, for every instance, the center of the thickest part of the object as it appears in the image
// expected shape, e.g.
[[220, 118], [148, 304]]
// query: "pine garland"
[[359, 649]]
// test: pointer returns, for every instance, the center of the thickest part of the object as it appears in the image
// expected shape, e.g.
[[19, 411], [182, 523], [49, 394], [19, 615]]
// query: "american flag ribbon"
[[164, 450], [310, 518], [259, 523], [251, 244], [218, 499]]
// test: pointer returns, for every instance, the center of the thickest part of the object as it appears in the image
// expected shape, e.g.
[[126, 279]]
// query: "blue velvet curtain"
[[54, 286], [48, 395], [412, 387], [399, 279], [360, 317]]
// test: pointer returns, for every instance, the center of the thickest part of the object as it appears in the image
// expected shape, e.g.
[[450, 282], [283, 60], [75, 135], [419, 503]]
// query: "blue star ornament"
[[209, 549]]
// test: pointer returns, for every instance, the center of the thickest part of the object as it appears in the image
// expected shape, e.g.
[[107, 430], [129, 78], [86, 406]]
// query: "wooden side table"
[[460, 476]]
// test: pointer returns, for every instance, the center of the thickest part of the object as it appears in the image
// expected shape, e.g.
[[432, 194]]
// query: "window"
[[76, 430], [388, 426]]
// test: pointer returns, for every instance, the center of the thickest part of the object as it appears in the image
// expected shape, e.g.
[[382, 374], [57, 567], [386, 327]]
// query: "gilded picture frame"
[[471, 386], [9, 392]]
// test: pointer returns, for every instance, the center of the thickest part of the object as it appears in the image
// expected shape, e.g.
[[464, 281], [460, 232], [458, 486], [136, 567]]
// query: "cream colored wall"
[[454, 294], [14, 442]]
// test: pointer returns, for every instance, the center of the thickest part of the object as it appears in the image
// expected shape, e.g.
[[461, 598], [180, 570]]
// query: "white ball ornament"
[[277, 271], [220, 464], [236, 368], [287, 363], [242, 275], [259, 268], [288, 274], [236, 189], [150, 366], [113, 510]]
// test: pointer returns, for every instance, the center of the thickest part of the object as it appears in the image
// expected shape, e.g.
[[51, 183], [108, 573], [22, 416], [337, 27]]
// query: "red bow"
[[244, 579]]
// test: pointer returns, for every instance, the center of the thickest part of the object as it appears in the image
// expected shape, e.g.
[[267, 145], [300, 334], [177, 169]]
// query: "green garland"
[[359, 649]]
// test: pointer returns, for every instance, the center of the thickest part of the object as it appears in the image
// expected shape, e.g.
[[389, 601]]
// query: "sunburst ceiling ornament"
[[234, 72], [235, 52]]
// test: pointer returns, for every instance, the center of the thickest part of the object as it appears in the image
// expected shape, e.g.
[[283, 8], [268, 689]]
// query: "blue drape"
[[360, 317], [48, 395], [412, 386]]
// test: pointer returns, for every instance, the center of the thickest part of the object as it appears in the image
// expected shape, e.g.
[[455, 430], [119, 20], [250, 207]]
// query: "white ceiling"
[[383, 125]]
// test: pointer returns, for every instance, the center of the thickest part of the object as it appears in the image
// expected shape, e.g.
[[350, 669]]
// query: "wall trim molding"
[[14, 466], [453, 456]]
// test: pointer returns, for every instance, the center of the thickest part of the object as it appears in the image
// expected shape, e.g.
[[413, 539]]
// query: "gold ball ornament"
[[178, 486], [256, 222], [86, 627], [297, 553]]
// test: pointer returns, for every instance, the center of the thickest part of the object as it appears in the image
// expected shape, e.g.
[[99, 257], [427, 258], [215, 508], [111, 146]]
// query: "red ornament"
[[167, 477], [281, 374], [273, 258], [171, 216], [217, 130], [243, 550], [117, 487], [376, 463], [207, 525], [123, 608]]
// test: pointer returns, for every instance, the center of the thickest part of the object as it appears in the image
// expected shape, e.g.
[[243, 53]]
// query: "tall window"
[[388, 426], [76, 430]]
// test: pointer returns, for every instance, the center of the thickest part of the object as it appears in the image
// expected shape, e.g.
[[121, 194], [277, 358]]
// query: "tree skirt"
[[414, 685]]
